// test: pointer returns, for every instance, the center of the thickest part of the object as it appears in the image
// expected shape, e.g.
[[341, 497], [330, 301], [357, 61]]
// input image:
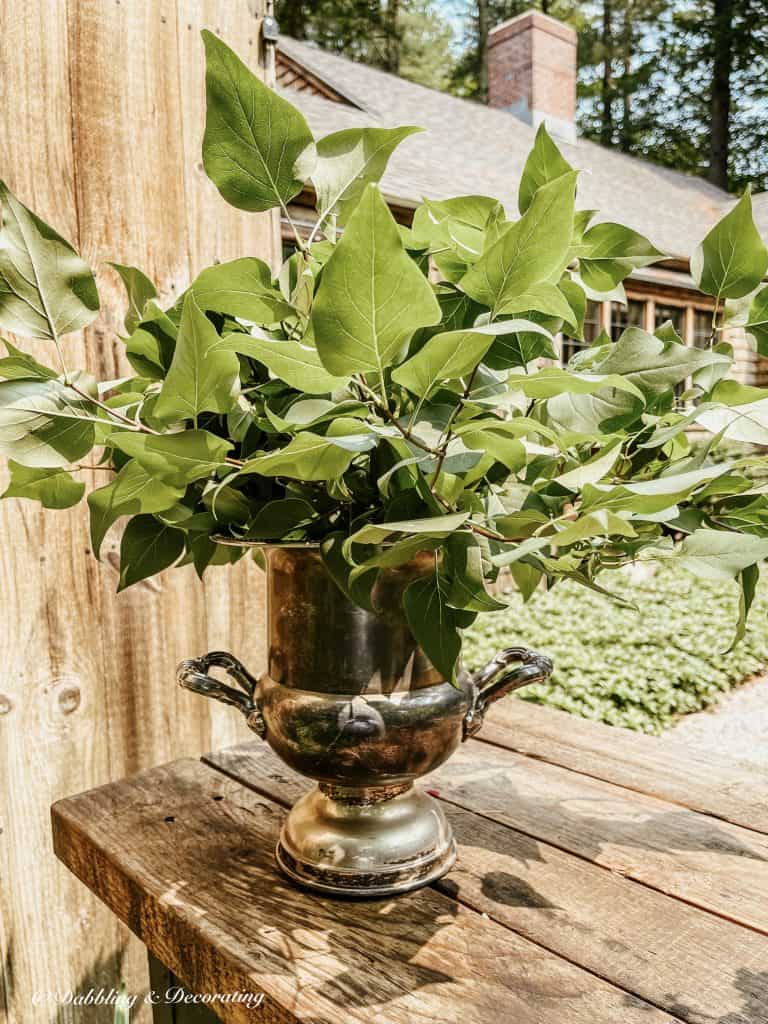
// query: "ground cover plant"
[[385, 393], [637, 668]]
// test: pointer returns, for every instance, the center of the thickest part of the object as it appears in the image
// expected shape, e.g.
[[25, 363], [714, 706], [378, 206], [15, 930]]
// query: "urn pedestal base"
[[365, 842]]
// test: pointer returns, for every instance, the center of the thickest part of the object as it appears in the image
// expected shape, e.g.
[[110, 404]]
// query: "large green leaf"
[[372, 296], [176, 459], [452, 355], [257, 147], [148, 546], [602, 523], [533, 250], [609, 252], [202, 376], [736, 414], [552, 380], [545, 163], [293, 362], [434, 623], [43, 423], [151, 345], [140, 291], [53, 488], [732, 260], [547, 299], [653, 365], [349, 160], [133, 490], [46, 290], [241, 288], [307, 457], [719, 555]]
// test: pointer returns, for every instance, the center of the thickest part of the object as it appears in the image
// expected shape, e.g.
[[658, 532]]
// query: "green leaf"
[[591, 471], [140, 291], [279, 518], [176, 459], [202, 376], [757, 321], [133, 490], [150, 348], [603, 523], [434, 526], [533, 250], [147, 548], [654, 365], [545, 163], [297, 364], [20, 364], [433, 622], [717, 555], [459, 224], [349, 160], [748, 580], [255, 142], [740, 417], [541, 298], [355, 584], [732, 260], [53, 488], [241, 288], [307, 457], [452, 355], [43, 423], [372, 296], [610, 252], [466, 578], [553, 380], [46, 290]]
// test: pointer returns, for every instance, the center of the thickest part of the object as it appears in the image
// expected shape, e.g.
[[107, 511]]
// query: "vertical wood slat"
[[101, 117]]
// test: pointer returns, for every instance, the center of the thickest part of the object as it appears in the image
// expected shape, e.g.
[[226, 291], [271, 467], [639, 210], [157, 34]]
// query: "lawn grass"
[[637, 669]]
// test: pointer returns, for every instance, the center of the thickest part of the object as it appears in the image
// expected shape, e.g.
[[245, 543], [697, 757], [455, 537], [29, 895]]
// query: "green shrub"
[[637, 669]]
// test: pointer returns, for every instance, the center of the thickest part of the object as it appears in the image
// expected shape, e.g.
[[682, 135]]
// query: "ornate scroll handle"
[[496, 679], [192, 674]]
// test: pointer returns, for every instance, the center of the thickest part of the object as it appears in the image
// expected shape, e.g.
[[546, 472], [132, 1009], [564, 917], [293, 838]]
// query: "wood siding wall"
[[101, 119]]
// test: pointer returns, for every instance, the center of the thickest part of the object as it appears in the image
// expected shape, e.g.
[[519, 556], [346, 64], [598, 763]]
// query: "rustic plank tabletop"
[[603, 878]]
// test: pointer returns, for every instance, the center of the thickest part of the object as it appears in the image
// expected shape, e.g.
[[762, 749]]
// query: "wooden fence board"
[[100, 106]]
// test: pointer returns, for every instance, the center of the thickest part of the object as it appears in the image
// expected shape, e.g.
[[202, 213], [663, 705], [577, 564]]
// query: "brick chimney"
[[532, 71]]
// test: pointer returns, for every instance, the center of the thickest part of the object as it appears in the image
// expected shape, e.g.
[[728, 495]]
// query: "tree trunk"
[[392, 36], [627, 46], [606, 125], [720, 94], [482, 48]]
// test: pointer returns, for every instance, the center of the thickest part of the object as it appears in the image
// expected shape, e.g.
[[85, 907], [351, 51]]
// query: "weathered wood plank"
[[680, 958], [185, 857], [656, 766], [712, 864]]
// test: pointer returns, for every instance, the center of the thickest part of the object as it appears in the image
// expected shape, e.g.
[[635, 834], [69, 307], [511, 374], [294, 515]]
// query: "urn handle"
[[497, 679], [192, 674]]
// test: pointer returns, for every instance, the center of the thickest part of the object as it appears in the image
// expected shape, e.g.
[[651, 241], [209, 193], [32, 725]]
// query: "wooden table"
[[603, 878]]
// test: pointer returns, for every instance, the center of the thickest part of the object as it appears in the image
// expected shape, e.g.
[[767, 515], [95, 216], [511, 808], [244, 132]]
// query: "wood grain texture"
[[96, 128], [659, 767], [193, 875], [691, 963]]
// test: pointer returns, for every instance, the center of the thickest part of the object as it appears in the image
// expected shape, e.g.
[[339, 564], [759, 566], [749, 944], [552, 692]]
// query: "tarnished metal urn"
[[350, 700]]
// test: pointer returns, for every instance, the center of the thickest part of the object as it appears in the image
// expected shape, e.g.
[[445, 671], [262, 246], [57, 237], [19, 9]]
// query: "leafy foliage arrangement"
[[385, 394]]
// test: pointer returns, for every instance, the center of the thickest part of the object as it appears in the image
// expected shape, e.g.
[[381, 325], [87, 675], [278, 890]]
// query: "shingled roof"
[[470, 148]]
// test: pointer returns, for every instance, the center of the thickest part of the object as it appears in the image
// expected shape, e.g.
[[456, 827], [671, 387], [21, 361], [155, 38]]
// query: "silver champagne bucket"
[[350, 700]]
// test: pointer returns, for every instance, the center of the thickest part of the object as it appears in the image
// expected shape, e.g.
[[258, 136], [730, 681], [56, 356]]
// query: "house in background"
[[468, 149]]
